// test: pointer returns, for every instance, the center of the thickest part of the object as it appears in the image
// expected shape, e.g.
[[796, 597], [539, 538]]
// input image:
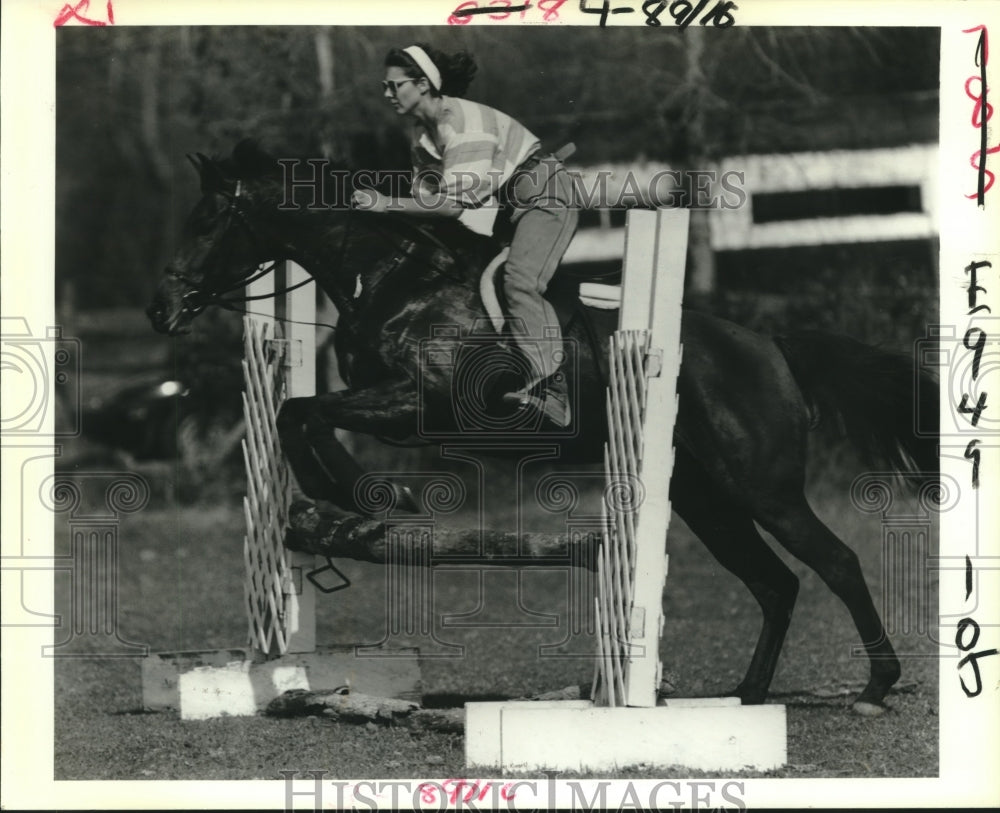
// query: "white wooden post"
[[297, 342], [300, 330], [653, 288], [624, 724], [280, 363]]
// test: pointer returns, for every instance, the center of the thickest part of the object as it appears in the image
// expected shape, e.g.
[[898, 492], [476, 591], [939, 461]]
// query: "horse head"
[[244, 220], [226, 238]]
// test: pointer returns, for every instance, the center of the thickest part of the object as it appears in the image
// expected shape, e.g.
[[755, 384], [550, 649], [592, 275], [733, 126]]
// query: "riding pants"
[[542, 209]]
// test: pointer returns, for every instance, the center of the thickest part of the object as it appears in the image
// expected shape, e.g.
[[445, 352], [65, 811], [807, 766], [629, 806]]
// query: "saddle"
[[566, 292]]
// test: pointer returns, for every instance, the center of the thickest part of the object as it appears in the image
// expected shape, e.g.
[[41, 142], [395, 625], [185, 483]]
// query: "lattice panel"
[[268, 490], [616, 574]]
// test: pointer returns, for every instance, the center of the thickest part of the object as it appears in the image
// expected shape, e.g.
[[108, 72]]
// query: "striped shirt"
[[472, 155]]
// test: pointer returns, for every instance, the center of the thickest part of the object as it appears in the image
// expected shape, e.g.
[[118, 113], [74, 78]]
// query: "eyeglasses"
[[392, 85]]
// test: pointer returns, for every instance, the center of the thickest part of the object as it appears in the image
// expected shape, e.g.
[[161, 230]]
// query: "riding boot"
[[552, 400]]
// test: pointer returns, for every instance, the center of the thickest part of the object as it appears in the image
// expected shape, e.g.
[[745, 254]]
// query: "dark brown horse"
[[746, 401]]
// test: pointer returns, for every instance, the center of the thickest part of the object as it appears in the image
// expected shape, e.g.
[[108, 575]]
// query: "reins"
[[219, 298], [197, 299]]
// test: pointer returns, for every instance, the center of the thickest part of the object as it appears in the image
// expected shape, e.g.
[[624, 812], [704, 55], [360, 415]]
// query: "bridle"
[[197, 298]]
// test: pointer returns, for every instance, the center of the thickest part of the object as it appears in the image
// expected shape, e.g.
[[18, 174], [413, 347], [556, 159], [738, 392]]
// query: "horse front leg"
[[323, 468]]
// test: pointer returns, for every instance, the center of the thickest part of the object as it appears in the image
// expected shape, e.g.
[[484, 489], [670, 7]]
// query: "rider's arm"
[[423, 204]]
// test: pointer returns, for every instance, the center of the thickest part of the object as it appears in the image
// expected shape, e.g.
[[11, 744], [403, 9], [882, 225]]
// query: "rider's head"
[[432, 70]]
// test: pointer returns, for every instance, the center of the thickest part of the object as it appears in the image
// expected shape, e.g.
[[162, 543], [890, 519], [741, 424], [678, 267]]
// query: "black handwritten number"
[[975, 411], [973, 658], [973, 454], [983, 115], [604, 10], [653, 9], [684, 12], [978, 348], [721, 16]]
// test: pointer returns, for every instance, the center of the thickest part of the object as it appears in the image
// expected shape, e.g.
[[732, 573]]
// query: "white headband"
[[419, 55]]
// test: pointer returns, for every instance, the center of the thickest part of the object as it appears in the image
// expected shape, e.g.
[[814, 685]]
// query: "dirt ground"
[[180, 588]]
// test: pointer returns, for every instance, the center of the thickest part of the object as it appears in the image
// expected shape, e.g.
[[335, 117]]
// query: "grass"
[[180, 587]]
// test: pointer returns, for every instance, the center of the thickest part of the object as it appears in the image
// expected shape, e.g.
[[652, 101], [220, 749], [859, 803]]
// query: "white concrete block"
[[212, 692], [238, 682], [704, 735], [482, 726]]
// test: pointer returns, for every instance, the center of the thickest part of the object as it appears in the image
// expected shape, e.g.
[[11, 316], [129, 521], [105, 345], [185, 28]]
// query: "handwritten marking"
[[973, 454], [464, 791], [491, 9], [604, 10], [502, 10], [76, 13], [683, 12], [972, 657], [974, 341], [982, 111]]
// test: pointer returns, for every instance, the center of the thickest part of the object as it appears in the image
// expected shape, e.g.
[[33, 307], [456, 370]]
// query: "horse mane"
[[249, 161]]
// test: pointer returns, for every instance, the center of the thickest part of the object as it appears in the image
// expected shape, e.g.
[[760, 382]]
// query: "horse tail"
[[870, 395]]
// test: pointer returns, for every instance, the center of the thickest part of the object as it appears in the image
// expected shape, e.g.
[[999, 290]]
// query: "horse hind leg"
[[729, 533], [804, 535]]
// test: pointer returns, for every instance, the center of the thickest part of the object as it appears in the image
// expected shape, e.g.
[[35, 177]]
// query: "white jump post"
[[282, 610], [624, 724], [282, 654]]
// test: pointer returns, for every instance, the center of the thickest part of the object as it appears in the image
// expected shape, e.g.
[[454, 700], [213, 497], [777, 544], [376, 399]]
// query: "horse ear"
[[198, 161], [212, 177]]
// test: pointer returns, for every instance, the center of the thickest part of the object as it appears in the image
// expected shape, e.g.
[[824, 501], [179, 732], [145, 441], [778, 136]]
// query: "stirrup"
[[551, 403]]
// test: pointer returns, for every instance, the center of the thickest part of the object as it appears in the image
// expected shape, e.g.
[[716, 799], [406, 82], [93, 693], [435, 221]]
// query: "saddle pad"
[[488, 291], [597, 295], [563, 294]]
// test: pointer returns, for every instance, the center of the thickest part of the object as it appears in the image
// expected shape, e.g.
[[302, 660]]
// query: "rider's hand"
[[368, 200]]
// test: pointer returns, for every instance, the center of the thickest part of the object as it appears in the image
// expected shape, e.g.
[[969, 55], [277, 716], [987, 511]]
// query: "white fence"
[[914, 165]]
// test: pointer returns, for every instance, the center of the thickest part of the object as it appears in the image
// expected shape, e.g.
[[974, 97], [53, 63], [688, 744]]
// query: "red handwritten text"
[[77, 12], [465, 790], [498, 10]]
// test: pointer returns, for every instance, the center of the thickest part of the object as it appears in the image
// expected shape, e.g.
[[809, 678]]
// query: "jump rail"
[[625, 724], [281, 651]]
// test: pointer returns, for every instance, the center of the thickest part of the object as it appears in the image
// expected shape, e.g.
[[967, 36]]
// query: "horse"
[[746, 402]]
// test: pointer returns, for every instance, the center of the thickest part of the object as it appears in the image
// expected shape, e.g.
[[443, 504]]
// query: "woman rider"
[[468, 160]]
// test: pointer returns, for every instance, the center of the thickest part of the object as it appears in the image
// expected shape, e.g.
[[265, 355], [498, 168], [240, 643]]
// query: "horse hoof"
[[866, 709], [666, 689], [302, 515]]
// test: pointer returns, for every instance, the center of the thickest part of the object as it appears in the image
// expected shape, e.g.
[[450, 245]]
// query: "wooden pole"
[[349, 536], [300, 313], [295, 345], [662, 365]]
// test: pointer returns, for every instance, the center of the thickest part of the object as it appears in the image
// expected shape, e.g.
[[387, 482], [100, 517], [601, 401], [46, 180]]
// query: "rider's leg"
[[544, 221]]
